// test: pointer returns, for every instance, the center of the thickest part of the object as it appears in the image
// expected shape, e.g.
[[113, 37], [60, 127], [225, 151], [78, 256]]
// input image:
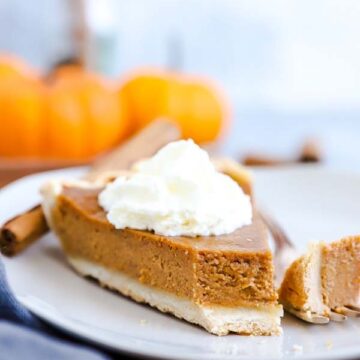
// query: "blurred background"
[[288, 72]]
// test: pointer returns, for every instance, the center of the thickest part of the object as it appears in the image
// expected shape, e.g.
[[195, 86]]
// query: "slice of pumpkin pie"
[[175, 234]]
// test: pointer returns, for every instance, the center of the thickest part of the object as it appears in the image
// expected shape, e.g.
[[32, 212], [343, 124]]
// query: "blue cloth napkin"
[[24, 336]]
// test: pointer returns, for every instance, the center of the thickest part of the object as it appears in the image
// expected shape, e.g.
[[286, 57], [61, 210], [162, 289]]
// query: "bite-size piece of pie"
[[324, 284]]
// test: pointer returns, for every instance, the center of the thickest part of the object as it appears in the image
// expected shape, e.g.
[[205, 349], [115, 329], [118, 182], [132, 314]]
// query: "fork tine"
[[309, 317], [337, 317], [285, 251], [347, 311], [279, 235]]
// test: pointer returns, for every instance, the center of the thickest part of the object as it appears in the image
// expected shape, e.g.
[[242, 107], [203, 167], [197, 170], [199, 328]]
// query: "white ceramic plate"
[[310, 203]]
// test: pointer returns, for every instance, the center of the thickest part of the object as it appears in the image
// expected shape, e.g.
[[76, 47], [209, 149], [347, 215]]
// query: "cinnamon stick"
[[309, 153], [21, 231], [263, 160], [143, 145]]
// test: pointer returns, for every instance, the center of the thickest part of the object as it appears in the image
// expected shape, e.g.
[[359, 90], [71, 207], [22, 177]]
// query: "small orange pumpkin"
[[83, 115], [192, 102], [74, 116], [21, 109]]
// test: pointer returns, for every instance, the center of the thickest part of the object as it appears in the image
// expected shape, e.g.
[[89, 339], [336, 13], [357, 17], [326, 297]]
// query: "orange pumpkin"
[[21, 109], [75, 116], [192, 102], [83, 115], [12, 65]]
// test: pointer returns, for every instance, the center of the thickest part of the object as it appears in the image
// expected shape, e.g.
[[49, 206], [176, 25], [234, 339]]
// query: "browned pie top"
[[248, 238]]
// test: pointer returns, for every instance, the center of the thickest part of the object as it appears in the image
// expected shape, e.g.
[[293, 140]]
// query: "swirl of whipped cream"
[[177, 192]]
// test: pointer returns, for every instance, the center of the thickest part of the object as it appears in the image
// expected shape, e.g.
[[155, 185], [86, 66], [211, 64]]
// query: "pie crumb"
[[143, 322], [297, 348]]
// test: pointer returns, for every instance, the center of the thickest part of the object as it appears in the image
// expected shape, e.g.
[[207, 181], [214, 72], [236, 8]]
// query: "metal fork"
[[285, 254]]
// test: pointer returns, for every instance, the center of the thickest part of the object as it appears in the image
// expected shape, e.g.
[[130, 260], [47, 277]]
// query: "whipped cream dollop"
[[177, 192]]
